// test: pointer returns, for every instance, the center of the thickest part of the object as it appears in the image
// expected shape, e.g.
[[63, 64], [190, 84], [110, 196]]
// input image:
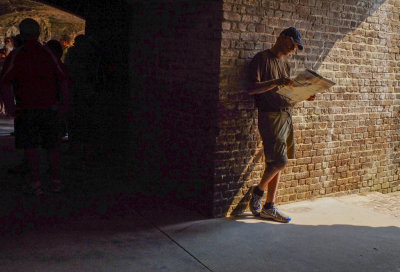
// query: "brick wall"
[[348, 139], [175, 48]]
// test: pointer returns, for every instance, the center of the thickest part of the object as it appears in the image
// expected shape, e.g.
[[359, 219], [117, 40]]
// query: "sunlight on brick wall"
[[348, 139]]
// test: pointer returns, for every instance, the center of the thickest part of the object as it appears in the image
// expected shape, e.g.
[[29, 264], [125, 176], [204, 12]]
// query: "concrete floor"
[[349, 233], [327, 234]]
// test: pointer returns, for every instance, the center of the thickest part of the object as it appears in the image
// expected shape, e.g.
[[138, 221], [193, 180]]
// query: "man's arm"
[[265, 86], [255, 70]]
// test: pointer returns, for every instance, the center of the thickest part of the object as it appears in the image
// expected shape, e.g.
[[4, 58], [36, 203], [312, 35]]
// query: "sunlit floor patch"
[[349, 210]]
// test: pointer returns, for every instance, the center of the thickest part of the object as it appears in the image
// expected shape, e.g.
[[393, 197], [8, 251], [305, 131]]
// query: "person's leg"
[[73, 123], [20, 134], [51, 142], [32, 156], [270, 178], [269, 211], [274, 128], [64, 129], [273, 188], [26, 132], [270, 174], [53, 156]]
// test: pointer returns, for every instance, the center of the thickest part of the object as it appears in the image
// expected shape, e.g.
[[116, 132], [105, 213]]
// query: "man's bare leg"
[[269, 211], [271, 173], [268, 176], [273, 188]]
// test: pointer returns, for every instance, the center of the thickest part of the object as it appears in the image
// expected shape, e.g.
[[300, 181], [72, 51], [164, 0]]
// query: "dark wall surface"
[[175, 48], [155, 115], [107, 25]]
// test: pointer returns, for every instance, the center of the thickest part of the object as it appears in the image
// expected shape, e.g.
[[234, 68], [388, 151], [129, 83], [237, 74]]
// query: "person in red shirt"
[[32, 75]]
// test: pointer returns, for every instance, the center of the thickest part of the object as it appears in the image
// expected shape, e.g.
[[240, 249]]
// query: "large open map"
[[306, 83]]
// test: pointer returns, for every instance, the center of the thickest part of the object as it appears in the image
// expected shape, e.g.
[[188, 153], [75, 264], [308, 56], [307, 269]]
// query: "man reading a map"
[[268, 72]]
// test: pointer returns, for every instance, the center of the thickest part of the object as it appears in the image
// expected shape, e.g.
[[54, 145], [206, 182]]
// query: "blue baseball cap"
[[292, 32]]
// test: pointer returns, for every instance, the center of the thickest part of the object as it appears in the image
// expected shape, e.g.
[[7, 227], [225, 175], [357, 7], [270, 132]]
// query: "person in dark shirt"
[[268, 71], [32, 75], [82, 62], [57, 49], [65, 42]]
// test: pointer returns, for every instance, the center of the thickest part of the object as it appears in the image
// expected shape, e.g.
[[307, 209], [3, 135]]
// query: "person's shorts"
[[37, 127], [276, 130]]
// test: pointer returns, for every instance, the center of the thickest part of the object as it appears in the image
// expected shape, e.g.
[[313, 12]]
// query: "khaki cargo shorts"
[[276, 129]]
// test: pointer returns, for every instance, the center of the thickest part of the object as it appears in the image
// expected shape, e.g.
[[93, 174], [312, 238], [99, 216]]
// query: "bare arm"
[[265, 86]]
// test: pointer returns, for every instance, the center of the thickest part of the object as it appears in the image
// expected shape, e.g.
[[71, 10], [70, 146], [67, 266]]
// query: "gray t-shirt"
[[266, 66]]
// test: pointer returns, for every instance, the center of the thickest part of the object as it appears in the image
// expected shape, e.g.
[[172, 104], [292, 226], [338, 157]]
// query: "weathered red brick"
[[344, 138]]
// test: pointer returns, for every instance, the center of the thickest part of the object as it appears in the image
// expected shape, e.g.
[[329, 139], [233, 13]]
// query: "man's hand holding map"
[[306, 84]]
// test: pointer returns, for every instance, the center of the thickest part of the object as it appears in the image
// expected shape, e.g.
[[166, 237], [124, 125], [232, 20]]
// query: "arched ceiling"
[[75, 7], [54, 22]]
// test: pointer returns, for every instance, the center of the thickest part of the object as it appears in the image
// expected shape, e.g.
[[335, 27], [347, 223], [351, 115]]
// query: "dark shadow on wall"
[[175, 53], [236, 108]]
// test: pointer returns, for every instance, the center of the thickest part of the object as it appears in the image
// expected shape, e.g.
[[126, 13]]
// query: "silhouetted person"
[[268, 71], [21, 168], [18, 41], [33, 74], [81, 62], [56, 48], [65, 42], [4, 52]]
